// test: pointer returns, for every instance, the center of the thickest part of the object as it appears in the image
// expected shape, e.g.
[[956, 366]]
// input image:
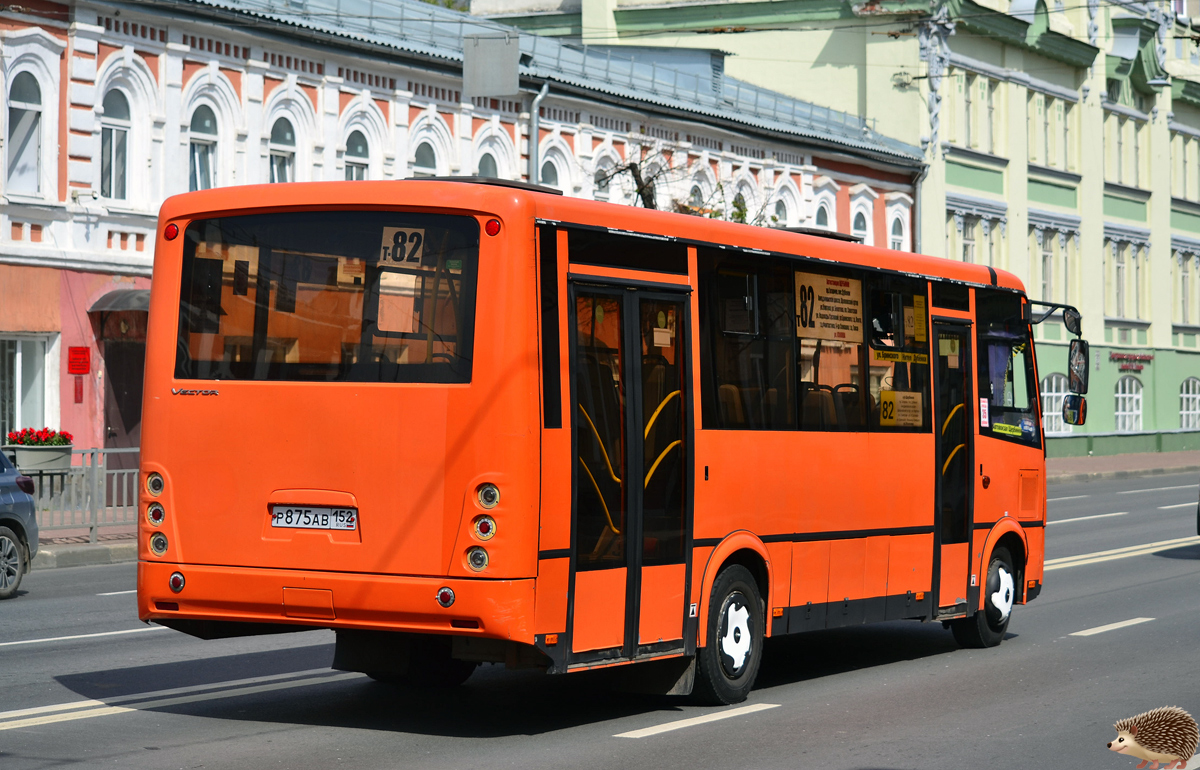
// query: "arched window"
[[425, 160], [1054, 387], [114, 145], [1189, 404], [860, 226], [739, 209], [897, 239], [24, 135], [487, 166], [201, 174], [781, 213], [357, 156], [1129, 404], [283, 151], [549, 174], [696, 197], [823, 216]]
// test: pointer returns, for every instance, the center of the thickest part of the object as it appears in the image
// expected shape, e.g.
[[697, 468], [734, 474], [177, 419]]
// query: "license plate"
[[313, 517]]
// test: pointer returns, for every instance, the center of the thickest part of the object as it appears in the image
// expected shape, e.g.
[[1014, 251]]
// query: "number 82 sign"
[[402, 244]]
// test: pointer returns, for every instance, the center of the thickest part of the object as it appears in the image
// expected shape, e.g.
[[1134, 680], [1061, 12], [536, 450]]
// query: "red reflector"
[[464, 624], [492, 227], [167, 606], [171, 231]]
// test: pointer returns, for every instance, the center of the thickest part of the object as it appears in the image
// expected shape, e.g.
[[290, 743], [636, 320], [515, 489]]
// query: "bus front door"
[[631, 482], [955, 452]]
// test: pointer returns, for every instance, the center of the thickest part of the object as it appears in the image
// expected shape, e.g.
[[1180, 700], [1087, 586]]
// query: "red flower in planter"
[[43, 437]]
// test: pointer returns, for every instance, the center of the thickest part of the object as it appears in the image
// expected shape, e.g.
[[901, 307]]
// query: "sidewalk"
[[73, 551]]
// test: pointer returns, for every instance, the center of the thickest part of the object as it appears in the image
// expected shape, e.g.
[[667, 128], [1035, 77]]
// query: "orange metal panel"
[[954, 574], [847, 565], [660, 617], [552, 585], [876, 575], [599, 610], [810, 573], [781, 576], [308, 603], [910, 564], [1030, 496]]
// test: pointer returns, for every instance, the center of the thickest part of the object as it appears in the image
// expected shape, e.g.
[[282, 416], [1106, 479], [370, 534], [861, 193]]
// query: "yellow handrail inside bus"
[[654, 416], [951, 457], [950, 417], [654, 467], [600, 441], [600, 494]]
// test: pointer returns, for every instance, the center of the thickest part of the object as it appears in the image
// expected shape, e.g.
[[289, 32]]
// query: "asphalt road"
[[895, 695]]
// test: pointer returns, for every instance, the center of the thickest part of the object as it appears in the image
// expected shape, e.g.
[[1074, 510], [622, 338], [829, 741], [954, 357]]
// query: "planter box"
[[40, 458]]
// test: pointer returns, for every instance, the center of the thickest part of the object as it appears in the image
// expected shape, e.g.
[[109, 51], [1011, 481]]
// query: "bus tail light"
[[485, 528], [155, 484], [155, 513], [445, 596], [477, 559], [158, 543], [492, 227], [171, 231], [489, 496], [176, 581]]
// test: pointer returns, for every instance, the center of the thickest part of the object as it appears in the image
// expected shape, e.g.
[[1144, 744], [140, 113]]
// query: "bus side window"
[[829, 332], [1006, 374], [898, 355], [747, 343]]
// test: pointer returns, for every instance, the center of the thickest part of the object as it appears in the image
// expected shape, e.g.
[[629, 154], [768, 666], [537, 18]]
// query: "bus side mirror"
[[1072, 321], [1074, 409], [1078, 364]]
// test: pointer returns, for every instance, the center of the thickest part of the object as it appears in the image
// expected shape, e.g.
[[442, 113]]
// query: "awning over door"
[[122, 299]]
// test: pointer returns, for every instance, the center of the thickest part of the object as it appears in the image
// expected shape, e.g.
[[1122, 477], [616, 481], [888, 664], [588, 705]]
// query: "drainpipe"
[[534, 130], [916, 210]]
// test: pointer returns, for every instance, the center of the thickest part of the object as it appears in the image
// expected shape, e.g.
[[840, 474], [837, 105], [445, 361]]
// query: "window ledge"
[[1130, 192], [1183, 204], [1185, 328], [1134, 323], [115, 207], [18, 199], [1055, 174], [955, 150]]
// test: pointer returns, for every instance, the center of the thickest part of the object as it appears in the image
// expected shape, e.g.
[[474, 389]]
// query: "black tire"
[[987, 626], [735, 630], [12, 562]]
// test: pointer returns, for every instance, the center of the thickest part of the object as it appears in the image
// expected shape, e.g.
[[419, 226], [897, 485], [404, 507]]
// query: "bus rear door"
[[955, 454], [631, 398]]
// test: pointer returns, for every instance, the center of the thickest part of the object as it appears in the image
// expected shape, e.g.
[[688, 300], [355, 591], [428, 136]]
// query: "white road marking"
[[165, 702], [679, 724], [1111, 627], [84, 636], [1086, 518], [118, 593], [1072, 497], [158, 693], [1180, 505], [1117, 553], [1156, 489]]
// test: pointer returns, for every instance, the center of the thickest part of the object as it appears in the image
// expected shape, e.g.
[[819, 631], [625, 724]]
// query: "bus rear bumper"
[[499, 609]]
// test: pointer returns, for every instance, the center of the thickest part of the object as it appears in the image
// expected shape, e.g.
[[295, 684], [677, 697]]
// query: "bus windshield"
[[351, 296]]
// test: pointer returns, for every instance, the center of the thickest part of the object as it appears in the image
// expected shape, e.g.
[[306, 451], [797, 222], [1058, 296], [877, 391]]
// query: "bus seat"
[[819, 410], [732, 413], [849, 404]]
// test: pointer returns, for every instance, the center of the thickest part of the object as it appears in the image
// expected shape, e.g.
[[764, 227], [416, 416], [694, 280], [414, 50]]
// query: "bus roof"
[[550, 205]]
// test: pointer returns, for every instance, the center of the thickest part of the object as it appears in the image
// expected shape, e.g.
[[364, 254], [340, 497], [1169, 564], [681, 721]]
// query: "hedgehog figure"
[[1167, 734]]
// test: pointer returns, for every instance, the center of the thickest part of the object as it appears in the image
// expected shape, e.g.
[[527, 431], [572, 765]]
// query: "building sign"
[[828, 308], [1131, 362], [79, 360]]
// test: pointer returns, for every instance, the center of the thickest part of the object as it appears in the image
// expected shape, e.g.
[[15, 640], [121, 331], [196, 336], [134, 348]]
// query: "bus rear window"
[[334, 296]]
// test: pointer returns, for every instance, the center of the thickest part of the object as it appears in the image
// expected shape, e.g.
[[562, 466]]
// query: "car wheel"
[[12, 562], [727, 666], [987, 626]]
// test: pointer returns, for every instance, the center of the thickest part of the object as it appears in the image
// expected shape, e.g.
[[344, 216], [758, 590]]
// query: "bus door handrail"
[[600, 494], [600, 441], [654, 467], [654, 416]]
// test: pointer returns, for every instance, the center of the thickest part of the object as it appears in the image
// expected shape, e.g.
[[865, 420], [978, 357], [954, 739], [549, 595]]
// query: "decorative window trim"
[[363, 114], [493, 139], [37, 52]]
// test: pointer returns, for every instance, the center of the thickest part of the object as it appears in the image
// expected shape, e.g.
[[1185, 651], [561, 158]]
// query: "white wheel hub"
[[736, 642], [1002, 599]]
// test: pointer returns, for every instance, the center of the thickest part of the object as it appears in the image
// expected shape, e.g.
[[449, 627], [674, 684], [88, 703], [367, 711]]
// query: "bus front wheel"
[[987, 626], [728, 665]]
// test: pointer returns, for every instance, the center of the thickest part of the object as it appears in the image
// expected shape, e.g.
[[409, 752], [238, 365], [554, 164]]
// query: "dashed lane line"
[[84, 636], [1157, 489], [1111, 627], [1180, 505], [1118, 553], [1086, 518], [680, 724], [119, 593], [166, 702], [73, 705], [1072, 497]]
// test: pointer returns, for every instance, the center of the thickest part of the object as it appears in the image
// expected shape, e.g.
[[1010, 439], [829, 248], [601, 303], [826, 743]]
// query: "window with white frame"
[[487, 166], [203, 149], [969, 224], [357, 156], [990, 124], [896, 242], [991, 243], [425, 160], [1054, 389], [22, 384], [114, 145], [283, 151], [549, 175], [1138, 259], [24, 135], [1128, 410], [1118, 278], [859, 227], [822, 219], [1189, 404], [1185, 288], [781, 212], [968, 109], [1047, 239]]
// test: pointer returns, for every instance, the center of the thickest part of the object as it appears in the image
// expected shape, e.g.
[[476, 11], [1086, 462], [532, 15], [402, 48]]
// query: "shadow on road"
[[1184, 552], [494, 702]]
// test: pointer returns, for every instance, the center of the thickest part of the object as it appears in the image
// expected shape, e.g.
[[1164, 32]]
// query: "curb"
[[50, 557], [1129, 474]]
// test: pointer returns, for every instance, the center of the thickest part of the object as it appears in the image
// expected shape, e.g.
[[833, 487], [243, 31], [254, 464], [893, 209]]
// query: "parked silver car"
[[18, 527]]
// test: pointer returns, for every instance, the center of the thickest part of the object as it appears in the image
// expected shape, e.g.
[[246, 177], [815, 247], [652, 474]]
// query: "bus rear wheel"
[[987, 626], [728, 665], [430, 665]]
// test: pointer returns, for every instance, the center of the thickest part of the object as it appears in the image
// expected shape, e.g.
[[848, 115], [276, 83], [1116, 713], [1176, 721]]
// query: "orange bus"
[[462, 421]]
